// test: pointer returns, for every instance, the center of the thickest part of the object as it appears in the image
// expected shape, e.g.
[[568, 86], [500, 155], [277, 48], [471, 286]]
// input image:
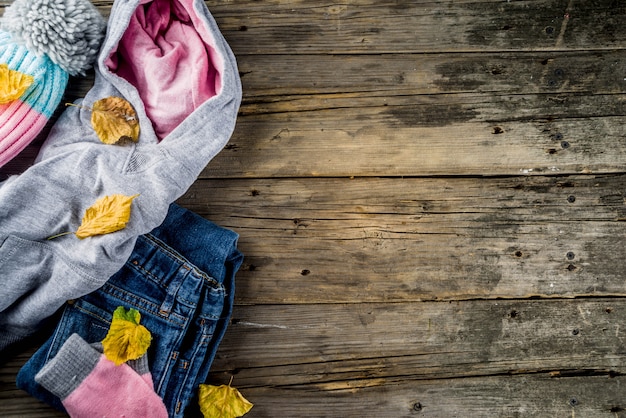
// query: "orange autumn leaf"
[[126, 339], [114, 119], [222, 402], [108, 214], [13, 84]]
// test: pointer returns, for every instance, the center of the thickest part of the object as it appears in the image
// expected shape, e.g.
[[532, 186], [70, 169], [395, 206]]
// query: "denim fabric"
[[180, 277]]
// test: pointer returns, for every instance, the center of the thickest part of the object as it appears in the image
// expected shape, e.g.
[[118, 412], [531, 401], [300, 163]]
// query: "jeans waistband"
[[208, 250], [180, 280], [206, 245]]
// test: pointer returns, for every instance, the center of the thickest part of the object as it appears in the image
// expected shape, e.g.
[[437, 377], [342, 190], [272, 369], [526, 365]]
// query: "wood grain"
[[300, 27], [478, 358], [502, 396], [389, 239], [273, 78], [416, 114], [380, 358], [348, 345]]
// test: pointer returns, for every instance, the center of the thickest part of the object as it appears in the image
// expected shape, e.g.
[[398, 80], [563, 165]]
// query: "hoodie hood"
[[169, 59], [169, 55]]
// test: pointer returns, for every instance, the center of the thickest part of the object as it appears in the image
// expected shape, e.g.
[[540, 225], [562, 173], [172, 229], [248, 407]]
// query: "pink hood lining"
[[168, 55]]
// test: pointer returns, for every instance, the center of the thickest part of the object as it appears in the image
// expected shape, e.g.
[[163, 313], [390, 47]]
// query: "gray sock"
[[72, 364]]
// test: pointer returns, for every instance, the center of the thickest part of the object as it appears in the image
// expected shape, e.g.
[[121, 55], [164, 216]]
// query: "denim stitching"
[[92, 314], [183, 260], [123, 294], [188, 377], [142, 270], [135, 264]]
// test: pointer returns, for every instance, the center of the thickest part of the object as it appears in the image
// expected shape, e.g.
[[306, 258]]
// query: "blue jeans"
[[180, 277]]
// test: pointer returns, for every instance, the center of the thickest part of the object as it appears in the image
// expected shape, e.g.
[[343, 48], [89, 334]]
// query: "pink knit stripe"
[[19, 125]]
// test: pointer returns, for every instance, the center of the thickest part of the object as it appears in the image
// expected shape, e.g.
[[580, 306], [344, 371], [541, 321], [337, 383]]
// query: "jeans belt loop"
[[172, 290]]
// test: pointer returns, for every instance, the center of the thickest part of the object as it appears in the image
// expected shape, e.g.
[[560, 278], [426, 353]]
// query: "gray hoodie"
[[169, 60]]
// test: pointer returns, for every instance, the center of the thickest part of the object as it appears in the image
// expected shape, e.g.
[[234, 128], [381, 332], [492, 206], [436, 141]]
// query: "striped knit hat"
[[42, 43]]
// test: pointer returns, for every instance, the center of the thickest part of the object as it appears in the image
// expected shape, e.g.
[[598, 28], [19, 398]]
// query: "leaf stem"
[[80, 106], [59, 235]]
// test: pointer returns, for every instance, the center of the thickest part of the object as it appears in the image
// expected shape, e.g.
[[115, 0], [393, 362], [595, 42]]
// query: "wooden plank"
[[20, 405], [269, 80], [383, 239], [532, 395], [368, 26], [432, 115], [443, 137], [372, 26], [419, 125], [344, 346], [504, 396], [13, 401], [298, 79]]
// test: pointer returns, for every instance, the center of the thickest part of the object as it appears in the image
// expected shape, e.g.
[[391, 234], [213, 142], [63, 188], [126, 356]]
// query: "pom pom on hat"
[[69, 32], [42, 42]]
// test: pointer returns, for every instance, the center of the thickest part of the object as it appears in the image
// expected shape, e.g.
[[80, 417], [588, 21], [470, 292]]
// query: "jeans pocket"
[[81, 317]]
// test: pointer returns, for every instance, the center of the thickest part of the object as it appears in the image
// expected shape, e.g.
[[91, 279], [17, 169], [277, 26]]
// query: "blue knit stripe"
[[5, 37], [46, 92]]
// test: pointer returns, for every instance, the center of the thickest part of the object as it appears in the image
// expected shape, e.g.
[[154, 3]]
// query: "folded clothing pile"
[[181, 279], [169, 62]]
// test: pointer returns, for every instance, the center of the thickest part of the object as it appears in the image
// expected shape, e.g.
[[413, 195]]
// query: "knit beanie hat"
[[42, 43]]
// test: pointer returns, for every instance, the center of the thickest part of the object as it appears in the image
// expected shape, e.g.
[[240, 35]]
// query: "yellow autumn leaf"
[[222, 402], [114, 119], [126, 339], [13, 84], [108, 214]]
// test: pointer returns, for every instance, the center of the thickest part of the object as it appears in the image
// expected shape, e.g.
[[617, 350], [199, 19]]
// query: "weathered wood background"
[[431, 200]]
